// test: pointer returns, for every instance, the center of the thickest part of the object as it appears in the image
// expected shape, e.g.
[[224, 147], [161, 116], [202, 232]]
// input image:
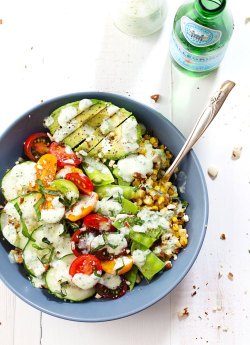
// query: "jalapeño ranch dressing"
[[140, 17]]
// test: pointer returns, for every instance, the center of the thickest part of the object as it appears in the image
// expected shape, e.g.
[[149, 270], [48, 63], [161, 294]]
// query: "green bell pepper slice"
[[131, 276], [141, 238], [103, 191]]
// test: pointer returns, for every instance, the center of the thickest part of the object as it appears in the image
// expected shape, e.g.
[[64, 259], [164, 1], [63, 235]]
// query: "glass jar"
[[140, 17]]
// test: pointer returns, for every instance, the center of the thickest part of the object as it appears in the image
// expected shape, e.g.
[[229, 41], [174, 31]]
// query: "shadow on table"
[[121, 58], [189, 97]]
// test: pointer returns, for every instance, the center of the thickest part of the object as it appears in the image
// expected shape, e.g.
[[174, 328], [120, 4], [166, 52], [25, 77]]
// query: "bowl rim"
[[103, 95]]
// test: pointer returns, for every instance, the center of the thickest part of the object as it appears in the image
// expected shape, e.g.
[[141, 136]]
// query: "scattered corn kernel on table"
[[59, 47]]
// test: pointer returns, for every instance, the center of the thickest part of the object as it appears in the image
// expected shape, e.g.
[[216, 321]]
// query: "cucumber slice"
[[59, 282], [16, 181], [11, 226], [50, 243]]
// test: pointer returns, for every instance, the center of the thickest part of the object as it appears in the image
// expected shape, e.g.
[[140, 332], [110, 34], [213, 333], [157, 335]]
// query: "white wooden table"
[[49, 48]]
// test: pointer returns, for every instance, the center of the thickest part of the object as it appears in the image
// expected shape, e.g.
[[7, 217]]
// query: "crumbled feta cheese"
[[66, 115], [85, 281], [84, 104], [112, 109], [183, 313], [212, 171], [236, 152], [139, 257], [110, 281]]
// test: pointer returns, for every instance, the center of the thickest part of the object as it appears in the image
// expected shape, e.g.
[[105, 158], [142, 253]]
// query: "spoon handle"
[[207, 116]]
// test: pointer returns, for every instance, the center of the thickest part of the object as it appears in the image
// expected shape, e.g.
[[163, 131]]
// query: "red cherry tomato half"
[[98, 222], [104, 255], [81, 181], [85, 264], [79, 245], [36, 145], [118, 292], [63, 157]]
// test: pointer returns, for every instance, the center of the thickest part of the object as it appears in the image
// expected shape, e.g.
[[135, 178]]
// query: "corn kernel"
[[163, 190], [170, 191], [148, 200], [143, 151], [183, 241], [154, 177], [136, 183], [182, 232], [139, 202], [139, 194], [154, 141], [161, 200], [175, 227], [175, 220], [154, 208]]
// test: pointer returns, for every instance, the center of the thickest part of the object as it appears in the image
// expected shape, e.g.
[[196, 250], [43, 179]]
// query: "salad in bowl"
[[88, 211]]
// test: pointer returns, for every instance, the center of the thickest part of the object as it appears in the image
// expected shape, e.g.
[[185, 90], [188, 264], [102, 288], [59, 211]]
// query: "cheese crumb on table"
[[236, 152], [183, 313], [212, 171], [230, 276]]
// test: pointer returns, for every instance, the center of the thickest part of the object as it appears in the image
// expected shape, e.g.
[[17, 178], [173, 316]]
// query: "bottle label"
[[194, 62], [198, 35]]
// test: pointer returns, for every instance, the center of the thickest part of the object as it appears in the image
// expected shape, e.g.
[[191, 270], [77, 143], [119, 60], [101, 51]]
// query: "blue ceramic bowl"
[[143, 295]]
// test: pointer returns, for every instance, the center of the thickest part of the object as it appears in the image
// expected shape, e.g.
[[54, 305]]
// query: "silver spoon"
[[207, 116]]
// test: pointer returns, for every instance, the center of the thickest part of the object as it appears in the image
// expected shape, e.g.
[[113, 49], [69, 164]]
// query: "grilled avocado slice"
[[108, 125], [77, 113], [119, 143]]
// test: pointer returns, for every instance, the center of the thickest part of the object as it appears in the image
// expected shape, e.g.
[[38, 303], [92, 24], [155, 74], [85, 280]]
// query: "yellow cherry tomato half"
[[83, 207], [46, 169], [125, 264]]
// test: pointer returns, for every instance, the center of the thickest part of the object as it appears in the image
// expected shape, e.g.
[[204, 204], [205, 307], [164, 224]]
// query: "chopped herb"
[[37, 247], [135, 221], [43, 190], [176, 199], [25, 231], [119, 198], [50, 253], [135, 189], [64, 283], [97, 248], [96, 274], [52, 192], [112, 213], [105, 237], [185, 204], [248, 250], [65, 202], [70, 226], [45, 240], [37, 205]]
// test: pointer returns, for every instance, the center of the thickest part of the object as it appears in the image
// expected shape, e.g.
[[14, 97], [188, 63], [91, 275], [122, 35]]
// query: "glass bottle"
[[200, 36], [140, 17]]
